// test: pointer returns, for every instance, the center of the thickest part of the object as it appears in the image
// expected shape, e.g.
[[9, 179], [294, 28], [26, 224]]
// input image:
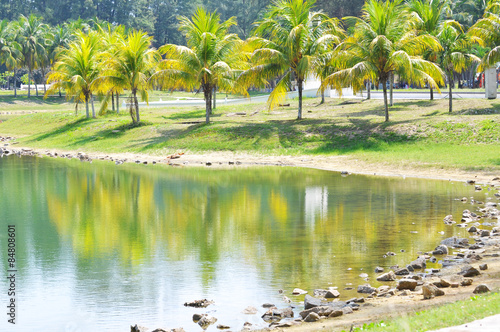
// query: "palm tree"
[[210, 59], [426, 17], [381, 46], [130, 66], [488, 30], [9, 49], [32, 39], [288, 41], [454, 56], [77, 69]]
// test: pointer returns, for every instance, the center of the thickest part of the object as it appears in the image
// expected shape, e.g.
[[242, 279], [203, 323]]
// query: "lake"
[[101, 247]]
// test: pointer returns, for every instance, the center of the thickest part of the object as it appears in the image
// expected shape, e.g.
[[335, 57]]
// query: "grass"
[[420, 133], [458, 313]]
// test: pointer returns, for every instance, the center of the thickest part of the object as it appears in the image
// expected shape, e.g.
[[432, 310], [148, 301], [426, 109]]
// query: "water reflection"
[[130, 244]]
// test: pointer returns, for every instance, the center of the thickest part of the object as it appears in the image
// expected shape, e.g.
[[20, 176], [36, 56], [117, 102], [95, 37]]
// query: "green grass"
[[458, 313], [420, 133]]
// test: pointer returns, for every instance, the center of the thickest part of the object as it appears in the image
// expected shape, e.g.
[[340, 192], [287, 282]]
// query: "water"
[[102, 247]]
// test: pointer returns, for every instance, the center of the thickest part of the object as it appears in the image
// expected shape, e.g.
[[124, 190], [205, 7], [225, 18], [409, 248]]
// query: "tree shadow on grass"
[[61, 130], [33, 100]]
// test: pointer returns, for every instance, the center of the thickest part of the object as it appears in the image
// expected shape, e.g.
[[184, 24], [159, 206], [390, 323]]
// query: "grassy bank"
[[477, 307], [420, 134]]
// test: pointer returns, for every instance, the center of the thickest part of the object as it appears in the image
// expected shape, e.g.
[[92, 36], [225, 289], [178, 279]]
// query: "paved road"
[[488, 324], [425, 95]]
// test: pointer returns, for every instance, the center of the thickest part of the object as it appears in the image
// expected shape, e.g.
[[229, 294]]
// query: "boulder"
[[389, 276], [472, 229], [336, 313], [311, 302], [321, 311], [312, 317], [466, 282], [197, 317], [440, 250], [429, 291], [469, 271], [379, 269], [402, 272], [332, 294], [481, 289], [298, 291], [484, 233], [455, 242], [409, 284], [275, 314], [366, 289], [206, 321], [347, 310], [442, 283], [419, 263], [483, 267]]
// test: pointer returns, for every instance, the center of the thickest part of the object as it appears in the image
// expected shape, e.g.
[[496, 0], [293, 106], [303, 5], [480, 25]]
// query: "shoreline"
[[339, 163]]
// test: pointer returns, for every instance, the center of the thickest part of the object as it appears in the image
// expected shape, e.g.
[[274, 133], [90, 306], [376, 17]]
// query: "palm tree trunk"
[[299, 83], [87, 106], [15, 85], [432, 94], [450, 81], [215, 98], [93, 109], [368, 90], [391, 84], [322, 96], [384, 88], [29, 82], [208, 103], [117, 103], [136, 108], [113, 101]]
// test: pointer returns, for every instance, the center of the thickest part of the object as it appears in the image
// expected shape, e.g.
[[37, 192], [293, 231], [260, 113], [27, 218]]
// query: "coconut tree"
[[77, 69], [455, 57], [130, 65], [426, 17], [288, 41], [381, 45], [210, 58], [9, 49], [32, 39], [488, 30]]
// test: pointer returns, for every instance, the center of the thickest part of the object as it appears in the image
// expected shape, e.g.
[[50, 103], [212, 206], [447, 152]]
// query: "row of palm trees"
[[291, 42]]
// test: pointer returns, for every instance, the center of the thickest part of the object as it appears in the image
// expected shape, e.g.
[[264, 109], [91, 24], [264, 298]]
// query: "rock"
[[466, 282], [311, 302], [379, 269], [389, 276], [275, 314], [321, 311], [483, 267], [469, 271], [366, 289], [206, 321], [429, 291], [484, 233], [481, 289], [336, 313], [405, 292], [250, 310], [286, 299], [312, 317], [197, 317], [473, 229], [268, 305], [208, 163], [409, 284], [199, 303], [332, 294], [223, 327], [137, 328], [347, 310], [419, 263], [298, 291], [363, 275], [440, 250], [320, 292], [455, 241], [402, 272], [442, 283]]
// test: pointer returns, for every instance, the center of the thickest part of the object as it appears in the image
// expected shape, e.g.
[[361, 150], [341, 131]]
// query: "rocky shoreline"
[[465, 262]]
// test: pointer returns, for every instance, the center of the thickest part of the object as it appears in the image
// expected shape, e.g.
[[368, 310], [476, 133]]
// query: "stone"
[[402, 272], [469, 271], [418, 264], [312, 317], [483, 267], [199, 303], [336, 313], [440, 250], [206, 321], [379, 269], [455, 242], [363, 275], [409, 284], [466, 282], [366, 289], [275, 314], [347, 310], [389, 276], [442, 283], [311, 302], [137, 328], [223, 327], [472, 229], [332, 294], [429, 291], [197, 317], [320, 292], [268, 305], [405, 292], [298, 291], [250, 310], [481, 289], [321, 311], [484, 233]]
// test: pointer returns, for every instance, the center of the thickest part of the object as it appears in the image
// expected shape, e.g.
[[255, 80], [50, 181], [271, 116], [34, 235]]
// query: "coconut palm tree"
[[77, 69], [426, 17], [381, 45], [9, 49], [455, 57], [288, 41], [32, 39], [210, 59], [488, 29], [130, 65]]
